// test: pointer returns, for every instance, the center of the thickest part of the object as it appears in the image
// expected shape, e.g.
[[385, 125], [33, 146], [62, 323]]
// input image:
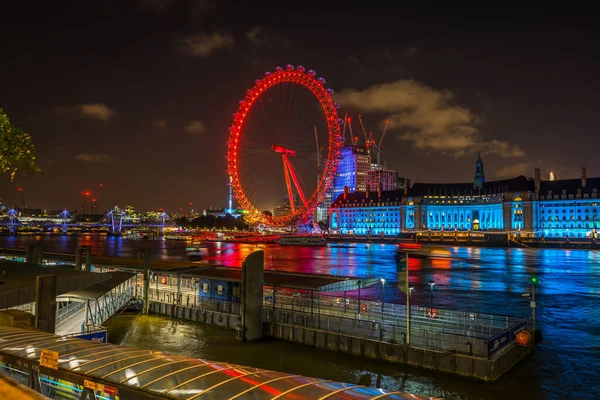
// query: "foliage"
[[16, 149]]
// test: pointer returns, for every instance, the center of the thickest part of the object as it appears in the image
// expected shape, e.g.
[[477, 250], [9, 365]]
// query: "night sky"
[[138, 95]]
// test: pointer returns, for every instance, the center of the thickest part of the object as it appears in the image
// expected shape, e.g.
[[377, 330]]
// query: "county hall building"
[[518, 206]]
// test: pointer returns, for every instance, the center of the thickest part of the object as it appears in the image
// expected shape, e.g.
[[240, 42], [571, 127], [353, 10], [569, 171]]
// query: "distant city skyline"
[[139, 96]]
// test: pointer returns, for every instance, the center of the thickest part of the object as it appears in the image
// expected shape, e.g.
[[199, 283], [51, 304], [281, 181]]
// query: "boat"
[[178, 237], [197, 249], [302, 240], [420, 251], [133, 235]]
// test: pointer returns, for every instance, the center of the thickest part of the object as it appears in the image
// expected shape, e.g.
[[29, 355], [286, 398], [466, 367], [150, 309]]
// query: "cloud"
[[253, 35], [411, 52], [94, 157], [93, 110], [257, 37], [160, 124], [502, 148], [510, 171], [428, 118], [194, 127], [204, 45]]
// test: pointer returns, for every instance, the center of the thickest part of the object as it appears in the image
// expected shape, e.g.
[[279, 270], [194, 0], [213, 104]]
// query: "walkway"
[[95, 304]]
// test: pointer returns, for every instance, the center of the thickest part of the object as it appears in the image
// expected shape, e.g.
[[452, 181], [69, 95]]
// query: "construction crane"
[[377, 146], [362, 126], [353, 139], [346, 120], [319, 156]]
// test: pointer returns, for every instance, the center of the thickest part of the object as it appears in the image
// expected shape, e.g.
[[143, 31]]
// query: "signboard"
[[99, 336], [505, 337], [100, 387], [49, 359]]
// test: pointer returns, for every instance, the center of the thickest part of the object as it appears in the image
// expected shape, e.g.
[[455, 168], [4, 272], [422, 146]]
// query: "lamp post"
[[382, 280], [532, 304], [431, 285]]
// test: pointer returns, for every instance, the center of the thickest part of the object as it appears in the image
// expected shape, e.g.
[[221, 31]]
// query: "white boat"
[[178, 237], [302, 240], [197, 249]]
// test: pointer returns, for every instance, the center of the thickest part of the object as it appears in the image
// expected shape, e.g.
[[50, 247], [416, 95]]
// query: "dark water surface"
[[566, 366]]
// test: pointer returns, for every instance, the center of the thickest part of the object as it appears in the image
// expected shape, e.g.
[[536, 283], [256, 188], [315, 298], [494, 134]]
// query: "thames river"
[[566, 365]]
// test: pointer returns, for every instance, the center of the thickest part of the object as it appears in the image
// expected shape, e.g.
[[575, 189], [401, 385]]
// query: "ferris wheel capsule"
[[322, 80], [256, 80], [312, 72], [301, 68], [289, 67], [341, 121], [241, 102], [278, 69], [336, 104], [330, 91], [267, 73]]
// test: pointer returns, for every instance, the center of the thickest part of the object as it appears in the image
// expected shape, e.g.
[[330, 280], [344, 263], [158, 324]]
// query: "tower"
[[479, 179]]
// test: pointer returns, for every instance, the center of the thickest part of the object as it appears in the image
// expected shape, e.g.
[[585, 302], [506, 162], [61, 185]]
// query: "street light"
[[382, 280], [431, 284]]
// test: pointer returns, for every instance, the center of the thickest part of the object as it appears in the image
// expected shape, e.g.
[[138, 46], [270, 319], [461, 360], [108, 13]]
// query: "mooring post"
[[78, 258], [252, 296], [45, 303], [88, 258]]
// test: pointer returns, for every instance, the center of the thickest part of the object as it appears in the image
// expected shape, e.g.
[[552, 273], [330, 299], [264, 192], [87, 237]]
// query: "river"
[[566, 365]]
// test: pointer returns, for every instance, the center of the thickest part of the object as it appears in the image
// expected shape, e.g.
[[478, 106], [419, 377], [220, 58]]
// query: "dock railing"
[[452, 331]]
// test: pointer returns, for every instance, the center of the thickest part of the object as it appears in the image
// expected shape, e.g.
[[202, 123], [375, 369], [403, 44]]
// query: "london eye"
[[284, 142]]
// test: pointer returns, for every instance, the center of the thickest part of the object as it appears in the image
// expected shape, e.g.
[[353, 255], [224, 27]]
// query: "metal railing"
[[108, 304], [64, 313], [450, 330]]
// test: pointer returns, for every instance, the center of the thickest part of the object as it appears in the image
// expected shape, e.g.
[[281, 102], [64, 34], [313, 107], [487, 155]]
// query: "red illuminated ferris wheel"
[[284, 148]]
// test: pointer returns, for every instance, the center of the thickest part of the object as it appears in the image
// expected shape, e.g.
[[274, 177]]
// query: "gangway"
[[100, 301], [61, 367]]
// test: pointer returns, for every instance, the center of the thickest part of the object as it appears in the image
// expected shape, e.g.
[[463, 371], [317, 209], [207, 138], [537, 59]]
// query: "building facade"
[[381, 179], [568, 208], [367, 213]]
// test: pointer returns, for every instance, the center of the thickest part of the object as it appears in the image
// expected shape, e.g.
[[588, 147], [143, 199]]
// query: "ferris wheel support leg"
[[287, 182], [295, 179]]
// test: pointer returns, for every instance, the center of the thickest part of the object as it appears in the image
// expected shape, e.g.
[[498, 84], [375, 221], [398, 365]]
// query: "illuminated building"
[[494, 206], [383, 179], [569, 208], [366, 213], [286, 208], [353, 166], [527, 208], [552, 176]]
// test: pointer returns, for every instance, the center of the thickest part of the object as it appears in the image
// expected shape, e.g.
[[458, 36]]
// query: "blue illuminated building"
[[367, 213], [569, 208], [353, 165], [528, 208]]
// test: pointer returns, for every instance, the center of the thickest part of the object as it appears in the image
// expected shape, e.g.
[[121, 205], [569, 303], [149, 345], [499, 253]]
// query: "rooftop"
[[18, 280], [135, 372], [518, 184]]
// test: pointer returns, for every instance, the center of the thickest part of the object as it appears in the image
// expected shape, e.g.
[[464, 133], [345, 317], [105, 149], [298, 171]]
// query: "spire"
[[479, 179]]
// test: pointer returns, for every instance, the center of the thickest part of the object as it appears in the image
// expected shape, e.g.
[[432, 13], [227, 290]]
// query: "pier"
[[328, 312]]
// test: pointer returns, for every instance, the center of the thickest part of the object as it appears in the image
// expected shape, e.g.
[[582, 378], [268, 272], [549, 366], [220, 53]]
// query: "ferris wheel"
[[271, 146]]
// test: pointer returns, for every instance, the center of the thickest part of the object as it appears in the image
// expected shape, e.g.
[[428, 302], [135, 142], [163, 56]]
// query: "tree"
[[16, 149]]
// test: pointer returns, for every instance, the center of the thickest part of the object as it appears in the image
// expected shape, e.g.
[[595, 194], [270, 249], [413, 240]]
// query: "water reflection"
[[475, 279]]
